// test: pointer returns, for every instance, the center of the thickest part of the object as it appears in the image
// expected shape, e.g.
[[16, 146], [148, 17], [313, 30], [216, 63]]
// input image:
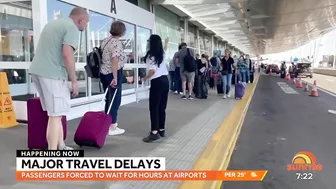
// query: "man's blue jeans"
[[106, 81], [227, 80]]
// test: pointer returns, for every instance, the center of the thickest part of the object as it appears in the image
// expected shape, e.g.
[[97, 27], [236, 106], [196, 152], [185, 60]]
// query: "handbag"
[[216, 76]]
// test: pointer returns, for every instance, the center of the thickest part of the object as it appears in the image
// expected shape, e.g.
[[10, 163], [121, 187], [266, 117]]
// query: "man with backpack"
[[178, 81], [185, 57], [214, 72]]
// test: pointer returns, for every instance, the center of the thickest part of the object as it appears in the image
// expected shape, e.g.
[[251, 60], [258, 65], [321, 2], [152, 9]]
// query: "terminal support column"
[[212, 45], [186, 38], [152, 10], [39, 21], [198, 42]]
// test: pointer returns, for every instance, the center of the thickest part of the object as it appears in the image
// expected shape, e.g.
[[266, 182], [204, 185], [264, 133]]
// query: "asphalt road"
[[276, 127]]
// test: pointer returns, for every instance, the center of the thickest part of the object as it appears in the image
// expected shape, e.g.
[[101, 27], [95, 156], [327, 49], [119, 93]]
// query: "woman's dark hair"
[[179, 47], [155, 49], [203, 55]]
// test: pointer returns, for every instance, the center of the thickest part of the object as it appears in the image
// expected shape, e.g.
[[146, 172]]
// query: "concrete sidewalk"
[[190, 125], [323, 81]]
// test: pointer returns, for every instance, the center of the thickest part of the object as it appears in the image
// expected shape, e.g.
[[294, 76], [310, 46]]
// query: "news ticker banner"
[[32, 165]]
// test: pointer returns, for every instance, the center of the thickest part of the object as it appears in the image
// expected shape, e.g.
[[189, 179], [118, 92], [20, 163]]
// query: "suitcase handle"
[[236, 75], [104, 98]]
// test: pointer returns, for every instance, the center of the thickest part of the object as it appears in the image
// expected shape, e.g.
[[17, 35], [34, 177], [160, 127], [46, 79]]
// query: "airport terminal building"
[[23, 21]]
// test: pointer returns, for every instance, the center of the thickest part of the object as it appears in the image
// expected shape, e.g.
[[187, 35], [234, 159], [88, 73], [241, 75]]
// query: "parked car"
[[303, 69], [274, 68]]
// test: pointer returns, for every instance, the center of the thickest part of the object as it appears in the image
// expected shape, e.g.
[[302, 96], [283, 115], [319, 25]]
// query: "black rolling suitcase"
[[212, 82], [233, 82], [201, 87], [195, 88], [220, 86], [251, 77]]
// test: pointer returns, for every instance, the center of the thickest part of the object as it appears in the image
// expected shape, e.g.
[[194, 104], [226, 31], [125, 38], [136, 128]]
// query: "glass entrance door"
[[16, 45]]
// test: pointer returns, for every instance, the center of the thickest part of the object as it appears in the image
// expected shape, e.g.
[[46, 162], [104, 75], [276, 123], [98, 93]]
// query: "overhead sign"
[[113, 8]]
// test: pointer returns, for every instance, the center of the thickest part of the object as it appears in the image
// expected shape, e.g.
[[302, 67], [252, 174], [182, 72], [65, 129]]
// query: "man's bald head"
[[80, 17], [78, 11]]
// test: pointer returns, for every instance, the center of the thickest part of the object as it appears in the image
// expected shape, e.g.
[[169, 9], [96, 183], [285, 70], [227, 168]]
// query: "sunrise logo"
[[304, 161]]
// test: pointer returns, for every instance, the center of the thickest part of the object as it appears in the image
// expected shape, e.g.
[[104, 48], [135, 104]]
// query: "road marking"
[[287, 89], [330, 80], [332, 111]]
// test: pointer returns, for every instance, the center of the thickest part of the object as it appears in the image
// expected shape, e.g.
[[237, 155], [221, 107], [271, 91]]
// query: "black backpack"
[[214, 63], [94, 61], [189, 62]]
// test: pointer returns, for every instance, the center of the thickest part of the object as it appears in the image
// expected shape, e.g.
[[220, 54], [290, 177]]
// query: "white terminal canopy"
[[259, 26]]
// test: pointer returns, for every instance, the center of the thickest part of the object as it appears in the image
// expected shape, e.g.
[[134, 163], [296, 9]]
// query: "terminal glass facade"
[[17, 44], [207, 43], [192, 37], [144, 4], [201, 39], [215, 43], [22, 22], [182, 30], [60, 10], [168, 25], [97, 30]]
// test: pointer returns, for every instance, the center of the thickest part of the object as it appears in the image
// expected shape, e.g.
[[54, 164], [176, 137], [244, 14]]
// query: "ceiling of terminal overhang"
[[259, 26]]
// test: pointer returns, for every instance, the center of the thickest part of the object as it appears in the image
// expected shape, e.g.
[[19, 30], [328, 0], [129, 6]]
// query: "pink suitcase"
[[94, 126], [37, 125]]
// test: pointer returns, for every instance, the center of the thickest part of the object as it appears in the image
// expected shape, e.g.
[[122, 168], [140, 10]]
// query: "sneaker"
[[184, 97], [181, 93], [228, 95], [151, 137], [190, 97], [175, 92], [65, 148], [116, 131], [224, 97], [162, 133]]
